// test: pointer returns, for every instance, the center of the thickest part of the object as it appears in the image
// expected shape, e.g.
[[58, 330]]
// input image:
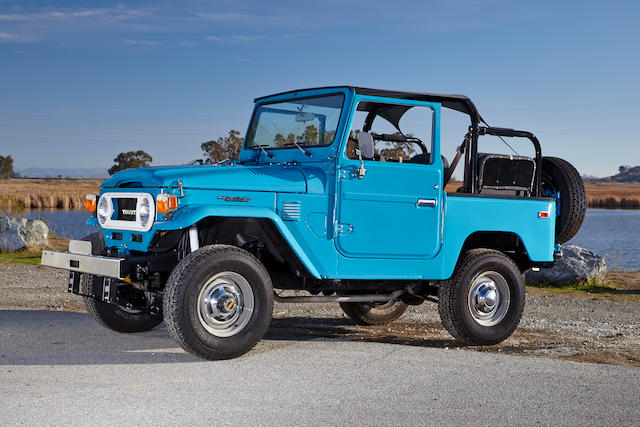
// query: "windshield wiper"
[[261, 147], [306, 153]]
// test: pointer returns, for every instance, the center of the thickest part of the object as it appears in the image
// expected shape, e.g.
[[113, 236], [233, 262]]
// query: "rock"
[[20, 233], [35, 232], [576, 265]]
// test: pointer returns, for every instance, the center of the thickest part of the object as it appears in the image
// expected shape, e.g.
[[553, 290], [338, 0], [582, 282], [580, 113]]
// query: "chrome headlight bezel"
[[104, 211], [143, 211], [142, 199]]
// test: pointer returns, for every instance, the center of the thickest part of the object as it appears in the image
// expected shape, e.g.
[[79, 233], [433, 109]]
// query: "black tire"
[[218, 273], [459, 305], [368, 313], [113, 316], [559, 176]]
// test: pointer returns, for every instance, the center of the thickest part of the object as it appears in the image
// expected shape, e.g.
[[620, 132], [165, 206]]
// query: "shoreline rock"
[[577, 265], [21, 233]]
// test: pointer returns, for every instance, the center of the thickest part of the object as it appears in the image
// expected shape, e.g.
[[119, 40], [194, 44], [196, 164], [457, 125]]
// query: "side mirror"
[[365, 144], [365, 149]]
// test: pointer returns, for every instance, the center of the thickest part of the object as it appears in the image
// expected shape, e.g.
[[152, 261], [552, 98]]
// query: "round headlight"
[[144, 212], [103, 210]]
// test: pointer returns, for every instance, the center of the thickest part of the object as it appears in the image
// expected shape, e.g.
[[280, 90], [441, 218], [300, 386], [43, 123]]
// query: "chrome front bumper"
[[79, 259]]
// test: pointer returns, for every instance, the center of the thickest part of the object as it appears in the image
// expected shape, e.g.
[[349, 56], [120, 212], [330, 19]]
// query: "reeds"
[[17, 194], [613, 196]]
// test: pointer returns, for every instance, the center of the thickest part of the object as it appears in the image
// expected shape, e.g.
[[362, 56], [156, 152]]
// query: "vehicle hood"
[[276, 178]]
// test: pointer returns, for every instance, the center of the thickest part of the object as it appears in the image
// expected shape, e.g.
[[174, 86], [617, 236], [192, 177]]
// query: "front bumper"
[[79, 259]]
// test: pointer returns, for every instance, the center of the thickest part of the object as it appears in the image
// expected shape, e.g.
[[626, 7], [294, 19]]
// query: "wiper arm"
[[261, 147], [306, 153]]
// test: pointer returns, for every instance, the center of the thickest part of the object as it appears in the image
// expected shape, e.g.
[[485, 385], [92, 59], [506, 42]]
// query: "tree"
[[130, 160], [224, 148], [309, 136], [6, 167], [281, 141]]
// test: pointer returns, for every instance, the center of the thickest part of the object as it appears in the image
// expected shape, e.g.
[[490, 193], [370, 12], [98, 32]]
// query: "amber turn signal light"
[[166, 203], [90, 202]]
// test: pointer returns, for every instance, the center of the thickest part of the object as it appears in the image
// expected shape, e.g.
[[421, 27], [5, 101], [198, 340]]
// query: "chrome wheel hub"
[[489, 298], [225, 304]]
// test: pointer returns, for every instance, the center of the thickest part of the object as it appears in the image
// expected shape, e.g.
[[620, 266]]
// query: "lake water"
[[614, 234], [71, 224]]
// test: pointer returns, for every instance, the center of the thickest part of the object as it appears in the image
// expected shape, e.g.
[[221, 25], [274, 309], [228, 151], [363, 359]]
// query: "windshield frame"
[[296, 98]]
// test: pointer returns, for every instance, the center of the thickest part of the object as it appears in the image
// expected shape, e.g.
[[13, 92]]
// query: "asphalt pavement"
[[61, 368]]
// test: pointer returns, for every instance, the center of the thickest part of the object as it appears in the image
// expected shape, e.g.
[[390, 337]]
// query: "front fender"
[[192, 214]]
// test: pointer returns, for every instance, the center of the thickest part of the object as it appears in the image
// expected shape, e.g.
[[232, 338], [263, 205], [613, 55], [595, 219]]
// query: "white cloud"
[[13, 17], [142, 42], [16, 38], [238, 38]]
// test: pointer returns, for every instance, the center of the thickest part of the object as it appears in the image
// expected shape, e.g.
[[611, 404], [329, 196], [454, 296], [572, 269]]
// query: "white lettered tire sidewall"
[[184, 289]]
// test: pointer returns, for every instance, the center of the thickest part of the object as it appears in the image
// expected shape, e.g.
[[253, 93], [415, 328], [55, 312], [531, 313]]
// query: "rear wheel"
[[481, 304], [372, 313], [561, 180], [218, 302]]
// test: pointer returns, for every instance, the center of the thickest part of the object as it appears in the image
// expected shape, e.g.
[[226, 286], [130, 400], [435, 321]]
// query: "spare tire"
[[560, 179]]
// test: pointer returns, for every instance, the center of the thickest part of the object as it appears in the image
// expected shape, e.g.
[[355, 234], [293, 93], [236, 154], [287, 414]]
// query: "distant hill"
[[626, 174], [64, 172]]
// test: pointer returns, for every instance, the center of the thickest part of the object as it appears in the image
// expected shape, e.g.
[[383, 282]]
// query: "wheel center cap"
[[221, 304], [486, 297]]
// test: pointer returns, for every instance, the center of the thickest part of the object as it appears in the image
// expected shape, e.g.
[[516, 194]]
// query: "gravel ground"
[[573, 326]]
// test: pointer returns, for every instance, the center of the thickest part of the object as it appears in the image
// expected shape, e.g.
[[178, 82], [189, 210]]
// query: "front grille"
[[125, 209]]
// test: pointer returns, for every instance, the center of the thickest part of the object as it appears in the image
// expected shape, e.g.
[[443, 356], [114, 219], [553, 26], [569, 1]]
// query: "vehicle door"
[[389, 202]]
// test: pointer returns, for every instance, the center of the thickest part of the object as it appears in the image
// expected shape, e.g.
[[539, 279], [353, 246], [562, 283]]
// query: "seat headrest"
[[365, 144]]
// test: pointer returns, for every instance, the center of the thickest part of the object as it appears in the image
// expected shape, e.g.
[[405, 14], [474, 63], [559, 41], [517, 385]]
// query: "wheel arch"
[[248, 232], [507, 242]]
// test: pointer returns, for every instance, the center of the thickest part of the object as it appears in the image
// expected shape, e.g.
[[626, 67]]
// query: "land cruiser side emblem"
[[128, 211], [234, 199]]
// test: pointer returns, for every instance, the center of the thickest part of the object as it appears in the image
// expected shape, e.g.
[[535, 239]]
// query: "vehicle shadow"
[[309, 328], [40, 337]]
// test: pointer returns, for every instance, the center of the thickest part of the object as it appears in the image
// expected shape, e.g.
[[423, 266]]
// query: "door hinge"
[[344, 228]]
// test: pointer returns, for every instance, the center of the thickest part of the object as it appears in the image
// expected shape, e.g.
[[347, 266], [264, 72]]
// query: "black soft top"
[[455, 102]]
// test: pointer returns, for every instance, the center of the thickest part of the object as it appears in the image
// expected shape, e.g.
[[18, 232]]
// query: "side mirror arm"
[[361, 170]]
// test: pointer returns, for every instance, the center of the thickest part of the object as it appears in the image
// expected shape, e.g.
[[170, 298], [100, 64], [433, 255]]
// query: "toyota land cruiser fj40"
[[339, 192]]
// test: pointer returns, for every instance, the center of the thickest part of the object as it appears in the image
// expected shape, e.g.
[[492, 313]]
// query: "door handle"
[[426, 202]]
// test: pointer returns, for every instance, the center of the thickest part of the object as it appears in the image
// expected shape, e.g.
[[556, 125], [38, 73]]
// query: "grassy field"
[[51, 193], [46, 193]]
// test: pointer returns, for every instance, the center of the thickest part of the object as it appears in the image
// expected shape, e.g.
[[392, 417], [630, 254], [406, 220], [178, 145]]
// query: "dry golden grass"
[[51, 193], [46, 193], [626, 196]]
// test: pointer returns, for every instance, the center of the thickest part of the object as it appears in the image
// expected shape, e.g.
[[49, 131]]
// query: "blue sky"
[[82, 81]]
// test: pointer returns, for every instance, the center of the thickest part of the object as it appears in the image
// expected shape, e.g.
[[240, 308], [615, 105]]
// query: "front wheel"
[[131, 314], [481, 304], [218, 302]]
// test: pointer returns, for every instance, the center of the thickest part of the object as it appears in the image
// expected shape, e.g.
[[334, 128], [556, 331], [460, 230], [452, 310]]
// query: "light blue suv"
[[338, 192]]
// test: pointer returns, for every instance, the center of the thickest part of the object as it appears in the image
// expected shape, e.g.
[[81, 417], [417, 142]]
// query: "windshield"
[[307, 122]]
